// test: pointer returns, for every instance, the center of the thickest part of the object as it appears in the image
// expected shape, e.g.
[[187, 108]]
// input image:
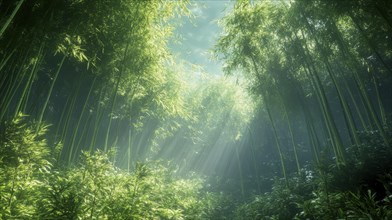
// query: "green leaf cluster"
[[24, 159], [32, 188]]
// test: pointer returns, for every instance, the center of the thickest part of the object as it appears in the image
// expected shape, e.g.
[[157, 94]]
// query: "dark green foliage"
[[365, 165], [361, 189], [281, 202]]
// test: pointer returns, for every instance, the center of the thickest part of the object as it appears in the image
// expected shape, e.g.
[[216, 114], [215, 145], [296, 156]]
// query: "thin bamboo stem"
[[41, 115], [9, 20], [76, 129], [114, 99]]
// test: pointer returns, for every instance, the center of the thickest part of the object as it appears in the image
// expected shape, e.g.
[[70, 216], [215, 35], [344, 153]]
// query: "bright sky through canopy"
[[199, 34]]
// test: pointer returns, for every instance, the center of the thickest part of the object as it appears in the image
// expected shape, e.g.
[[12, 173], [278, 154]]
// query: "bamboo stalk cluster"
[[310, 60]]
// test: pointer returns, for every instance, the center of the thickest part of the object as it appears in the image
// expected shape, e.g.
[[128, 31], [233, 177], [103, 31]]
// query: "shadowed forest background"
[[100, 118]]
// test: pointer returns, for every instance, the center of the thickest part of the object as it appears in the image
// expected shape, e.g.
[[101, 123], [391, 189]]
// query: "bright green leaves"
[[73, 47], [98, 190], [21, 146], [31, 188], [24, 156], [249, 33], [122, 45]]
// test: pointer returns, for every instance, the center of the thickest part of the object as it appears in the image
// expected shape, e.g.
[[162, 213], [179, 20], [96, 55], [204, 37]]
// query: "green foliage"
[[296, 55], [346, 205], [281, 202], [302, 202], [362, 206], [54, 49], [95, 189], [359, 190], [322, 205], [23, 160], [292, 54], [219, 206], [365, 163]]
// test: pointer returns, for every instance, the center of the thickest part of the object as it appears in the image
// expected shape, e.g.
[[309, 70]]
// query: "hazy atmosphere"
[[160, 109]]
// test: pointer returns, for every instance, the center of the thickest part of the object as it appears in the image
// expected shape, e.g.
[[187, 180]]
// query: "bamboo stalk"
[[41, 115], [283, 167], [253, 153], [282, 163], [114, 99], [371, 110], [13, 88], [129, 150], [346, 111], [290, 132], [97, 121], [5, 60], [292, 140], [354, 101], [312, 135], [83, 134], [240, 172], [357, 79], [70, 110], [76, 129], [60, 121], [7, 23], [24, 96], [379, 102], [331, 126]]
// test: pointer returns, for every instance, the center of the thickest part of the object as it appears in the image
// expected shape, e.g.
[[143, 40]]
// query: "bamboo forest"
[[195, 109]]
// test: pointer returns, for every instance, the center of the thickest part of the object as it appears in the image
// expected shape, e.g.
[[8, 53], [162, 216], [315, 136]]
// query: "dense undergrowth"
[[359, 189], [34, 185]]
